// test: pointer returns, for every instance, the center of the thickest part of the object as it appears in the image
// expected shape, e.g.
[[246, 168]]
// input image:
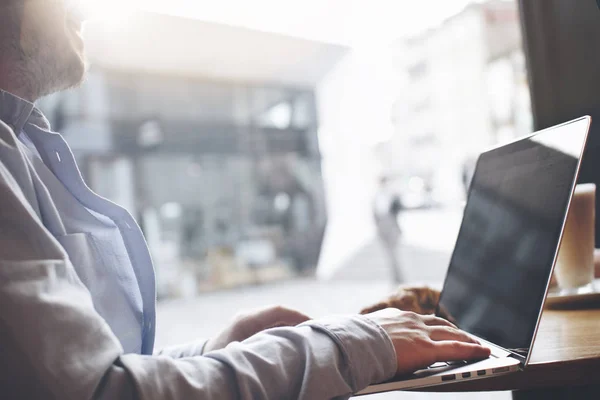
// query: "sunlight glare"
[[109, 11], [353, 23]]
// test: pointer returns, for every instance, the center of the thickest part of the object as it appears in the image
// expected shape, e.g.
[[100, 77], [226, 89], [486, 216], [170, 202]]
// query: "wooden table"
[[566, 353]]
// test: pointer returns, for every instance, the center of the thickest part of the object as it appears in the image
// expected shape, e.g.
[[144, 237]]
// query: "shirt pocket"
[[111, 299], [80, 249], [90, 266]]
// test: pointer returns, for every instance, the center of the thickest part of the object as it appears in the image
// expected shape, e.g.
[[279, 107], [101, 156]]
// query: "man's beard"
[[39, 55], [41, 60], [45, 69]]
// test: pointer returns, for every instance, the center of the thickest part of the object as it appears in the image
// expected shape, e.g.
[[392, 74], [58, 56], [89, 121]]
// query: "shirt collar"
[[17, 112]]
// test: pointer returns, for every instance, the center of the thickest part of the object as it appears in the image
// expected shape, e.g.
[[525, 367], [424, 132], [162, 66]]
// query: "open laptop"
[[506, 249]]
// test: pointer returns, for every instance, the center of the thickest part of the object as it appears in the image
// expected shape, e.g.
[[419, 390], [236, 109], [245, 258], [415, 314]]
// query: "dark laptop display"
[[508, 240]]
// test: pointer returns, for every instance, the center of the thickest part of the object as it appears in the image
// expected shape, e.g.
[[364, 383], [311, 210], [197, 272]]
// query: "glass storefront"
[[224, 178]]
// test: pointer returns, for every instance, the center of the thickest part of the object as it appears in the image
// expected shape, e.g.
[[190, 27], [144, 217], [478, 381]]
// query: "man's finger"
[[432, 320], [456, 351], [444, 333], [282, 316], [287, 322], [294, 317]]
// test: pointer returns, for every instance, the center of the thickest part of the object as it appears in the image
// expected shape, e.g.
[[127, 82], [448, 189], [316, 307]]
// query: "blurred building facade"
[[223, 175], [464, 88]]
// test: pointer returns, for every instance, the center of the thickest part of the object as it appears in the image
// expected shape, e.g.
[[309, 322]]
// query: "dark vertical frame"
[[562, 46]]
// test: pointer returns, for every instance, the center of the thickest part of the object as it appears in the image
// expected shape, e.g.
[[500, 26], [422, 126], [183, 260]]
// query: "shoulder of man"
[[8, 136], [15, 171]]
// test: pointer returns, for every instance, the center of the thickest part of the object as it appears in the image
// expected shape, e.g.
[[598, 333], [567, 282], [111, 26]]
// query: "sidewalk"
[[418, 265], [424, 250]]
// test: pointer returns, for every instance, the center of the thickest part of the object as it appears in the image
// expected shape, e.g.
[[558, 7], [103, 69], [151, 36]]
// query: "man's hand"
[[421, 340], [418, 299], [250, 323]]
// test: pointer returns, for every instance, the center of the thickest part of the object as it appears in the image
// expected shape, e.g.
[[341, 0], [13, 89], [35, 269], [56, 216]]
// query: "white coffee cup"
[[575, 264]]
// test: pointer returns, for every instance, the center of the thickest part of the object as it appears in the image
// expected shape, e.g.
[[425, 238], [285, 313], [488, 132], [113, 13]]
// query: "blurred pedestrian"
[[386, 207]]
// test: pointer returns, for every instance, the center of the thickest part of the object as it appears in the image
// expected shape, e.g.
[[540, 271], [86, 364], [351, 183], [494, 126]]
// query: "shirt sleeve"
[[56, 346], [192, 349]]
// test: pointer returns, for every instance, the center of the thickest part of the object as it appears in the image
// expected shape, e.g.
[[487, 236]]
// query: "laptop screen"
[[506, 246]]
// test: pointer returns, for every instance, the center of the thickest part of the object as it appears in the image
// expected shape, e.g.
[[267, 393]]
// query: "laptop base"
[[448, 374]]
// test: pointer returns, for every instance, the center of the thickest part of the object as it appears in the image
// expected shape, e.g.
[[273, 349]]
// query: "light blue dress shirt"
[[103, 241]]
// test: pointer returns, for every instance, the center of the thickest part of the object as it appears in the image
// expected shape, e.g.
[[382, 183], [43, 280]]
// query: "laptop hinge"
[[497, 351], [520, 354]]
